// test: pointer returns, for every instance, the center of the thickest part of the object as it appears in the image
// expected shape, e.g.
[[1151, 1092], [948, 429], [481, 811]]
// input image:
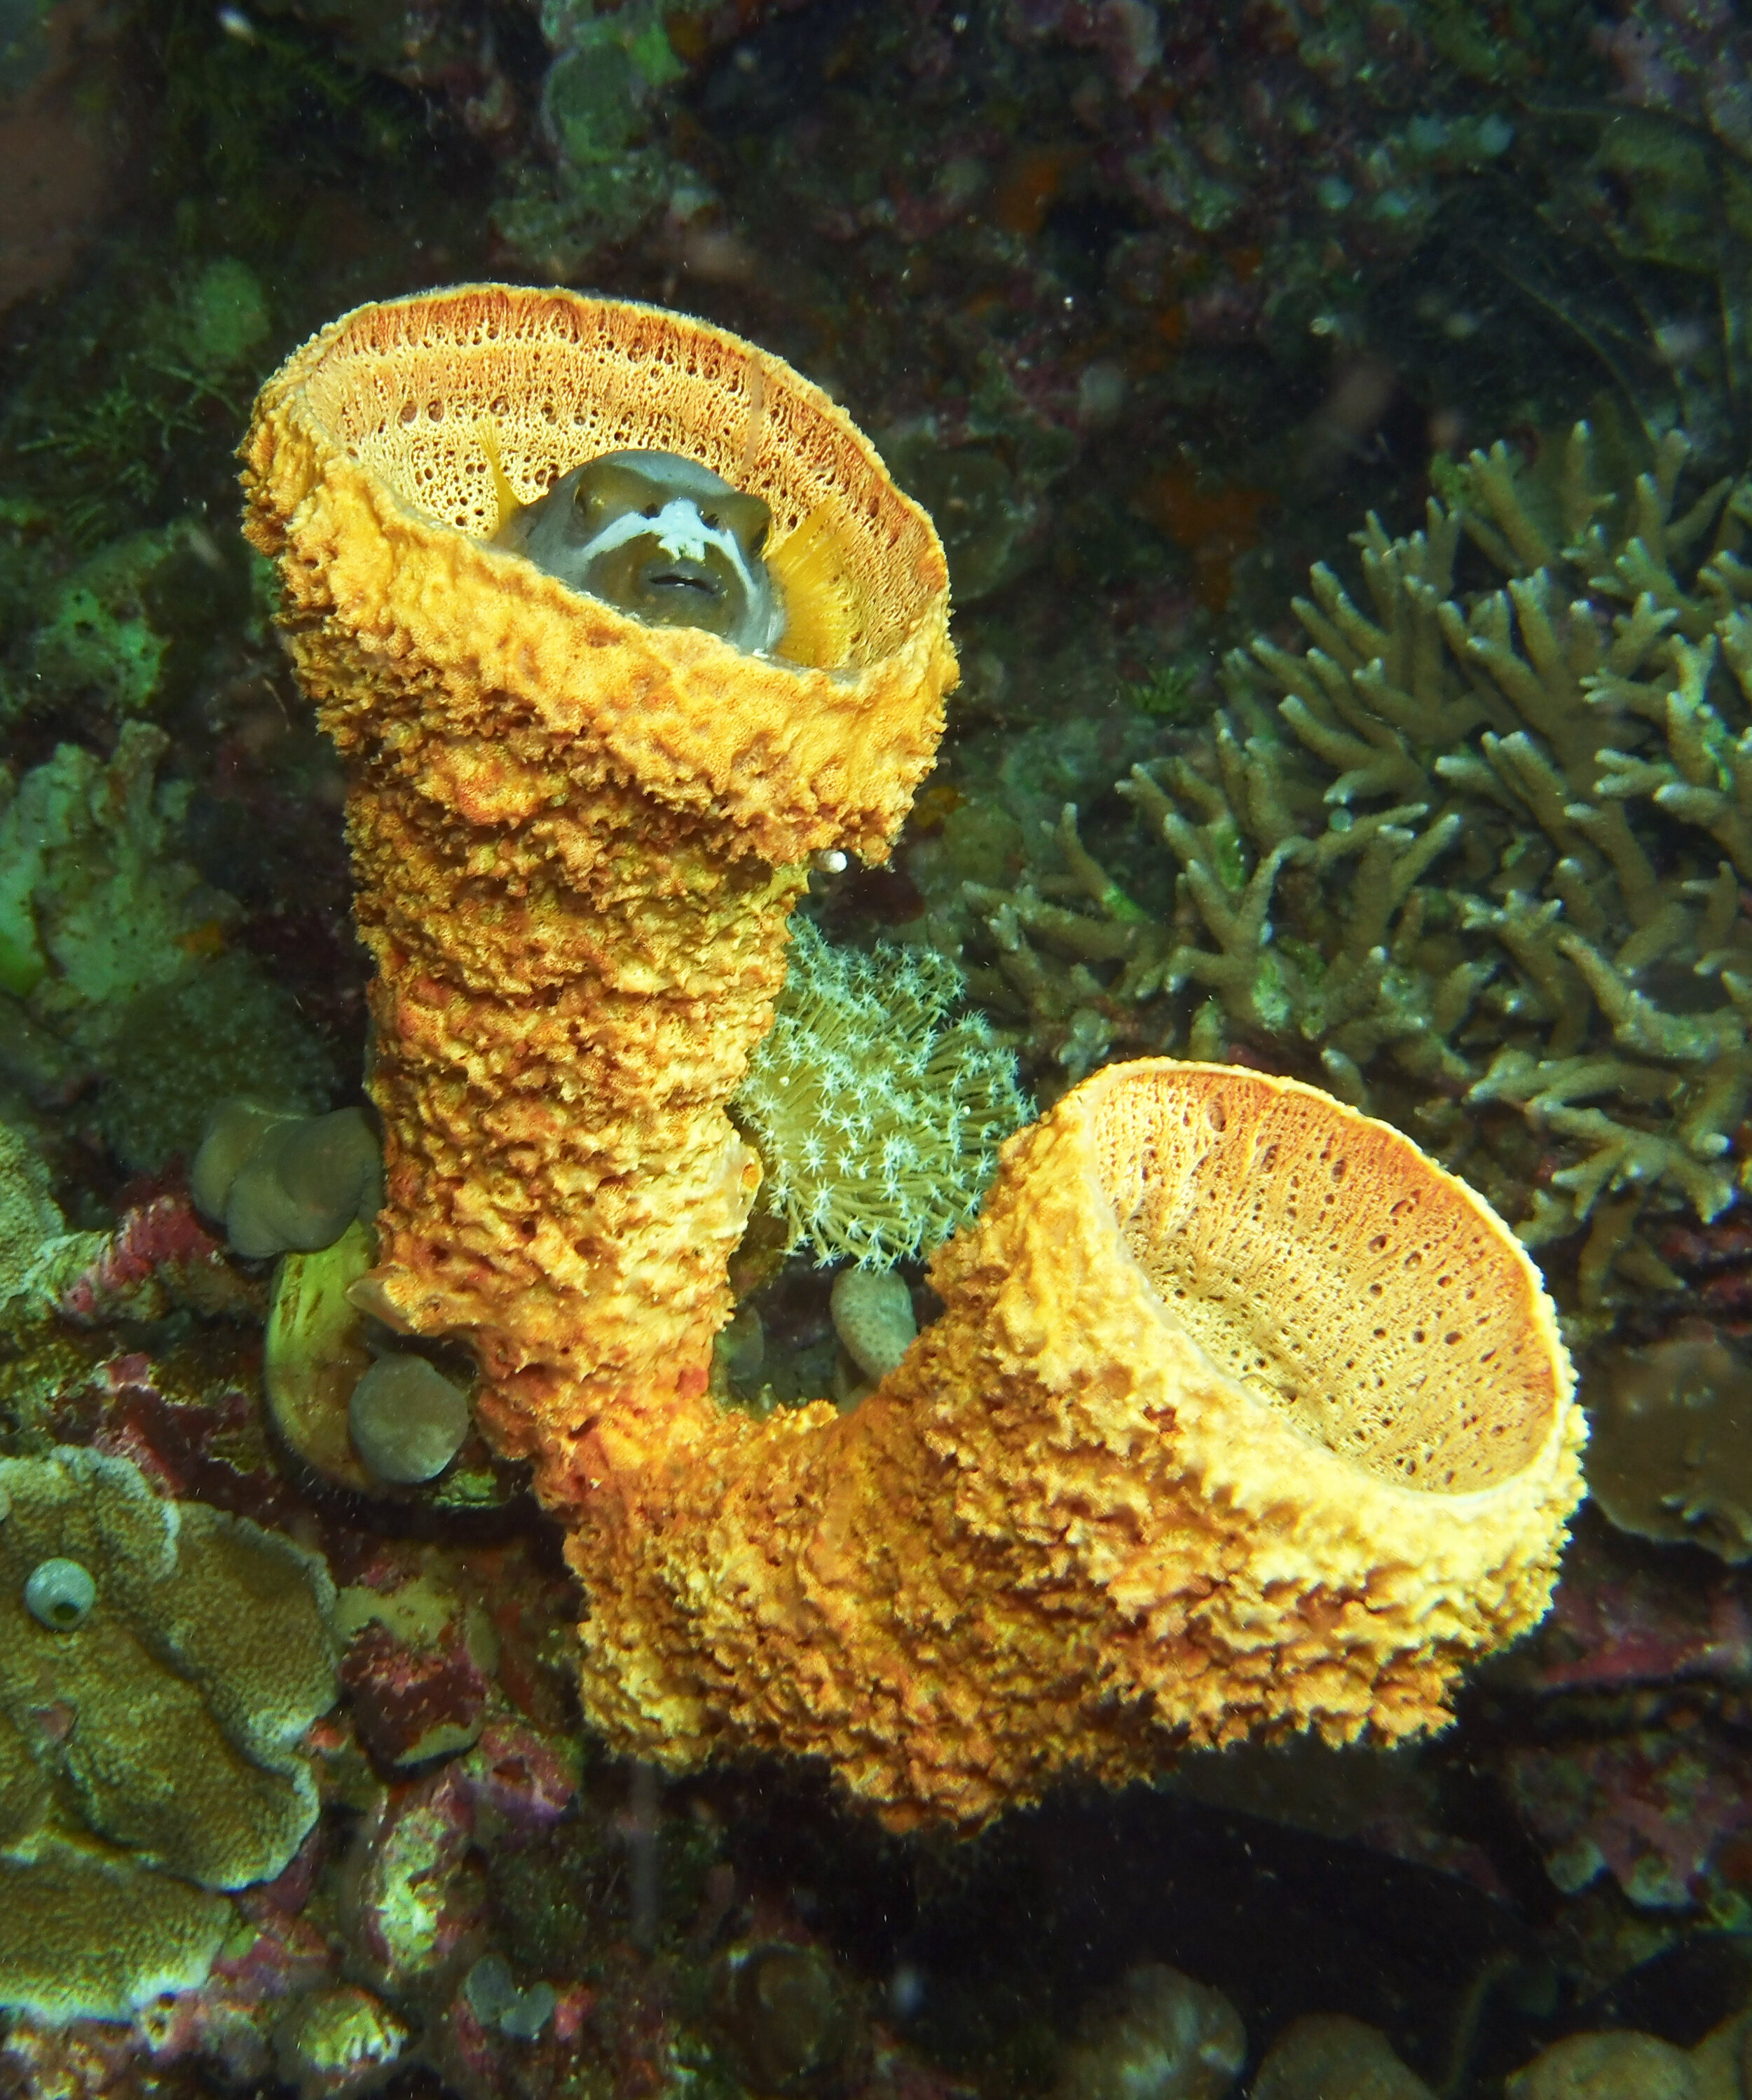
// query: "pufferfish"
[[658, 536]]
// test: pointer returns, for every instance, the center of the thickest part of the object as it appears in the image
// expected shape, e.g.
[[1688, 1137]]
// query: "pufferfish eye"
[[613, 487], [618, 482], [746, 517], [660, 537]]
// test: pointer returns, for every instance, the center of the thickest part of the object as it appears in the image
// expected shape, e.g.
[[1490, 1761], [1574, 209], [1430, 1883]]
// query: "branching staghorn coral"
[[1467, 848], [878, 1117]]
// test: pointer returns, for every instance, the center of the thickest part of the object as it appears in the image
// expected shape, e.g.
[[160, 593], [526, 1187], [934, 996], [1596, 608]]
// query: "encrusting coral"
[[30, 1224], [222, 1027], [877, 1116], [1241, 1416], [94, 908], [107, 938], [1469, 848], [149, 1744], [577, 838]]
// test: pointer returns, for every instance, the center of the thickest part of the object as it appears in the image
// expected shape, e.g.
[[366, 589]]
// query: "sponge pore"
[[1330, 1270]]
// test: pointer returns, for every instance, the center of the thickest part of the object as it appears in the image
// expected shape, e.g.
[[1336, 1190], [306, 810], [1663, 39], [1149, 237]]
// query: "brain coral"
[[148, 1752]]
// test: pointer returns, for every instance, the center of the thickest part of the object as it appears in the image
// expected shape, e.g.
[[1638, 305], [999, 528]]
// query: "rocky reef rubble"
[[462, 1893]]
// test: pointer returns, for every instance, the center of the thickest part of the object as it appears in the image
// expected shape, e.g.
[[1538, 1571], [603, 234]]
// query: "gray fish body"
[[660, 537]]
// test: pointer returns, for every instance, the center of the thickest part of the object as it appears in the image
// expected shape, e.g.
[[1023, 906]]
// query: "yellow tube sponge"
[[577, 838], [1242, 1416]]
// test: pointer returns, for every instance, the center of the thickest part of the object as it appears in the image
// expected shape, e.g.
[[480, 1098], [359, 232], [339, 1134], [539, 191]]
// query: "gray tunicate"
[[60, 1595], [1160, 2036], [489, 1988], [496, 2001], [304, 1183], [533, 2009], [234, 1129], [282, 1182], [408, 1420]]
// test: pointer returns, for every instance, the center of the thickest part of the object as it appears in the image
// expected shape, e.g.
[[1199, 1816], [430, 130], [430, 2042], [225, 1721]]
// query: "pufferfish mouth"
[[681, 578], [668, 588]]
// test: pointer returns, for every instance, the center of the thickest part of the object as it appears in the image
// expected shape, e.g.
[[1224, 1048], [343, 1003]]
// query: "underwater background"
[[1337, 420]]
